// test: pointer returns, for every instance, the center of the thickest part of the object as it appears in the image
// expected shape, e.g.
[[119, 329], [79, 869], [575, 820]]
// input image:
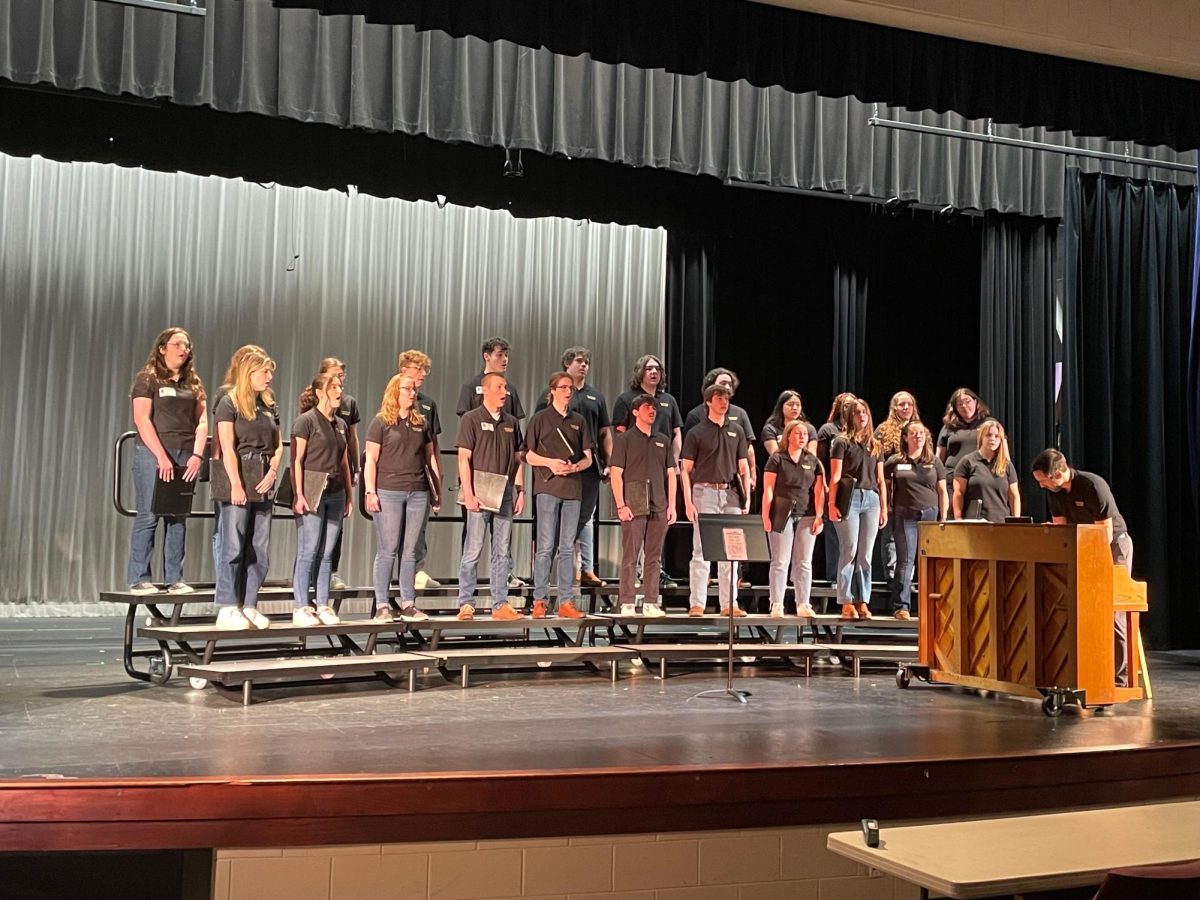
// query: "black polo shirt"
[[470, 397], [591, 405], [544, 439], [172, 410], [429, 410], [714, 451], [983, 484], [913, 483], [825, 435], [736, 414], [958, 442], [642, 457], [771, 433], [795, 481], [1090, 500], [326, 442], [494, 443], [401, 465], [665, 423], [857, 462], [255, 435]]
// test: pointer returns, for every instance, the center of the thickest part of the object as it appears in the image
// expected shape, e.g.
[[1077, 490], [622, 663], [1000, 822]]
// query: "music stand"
[[731, 538]]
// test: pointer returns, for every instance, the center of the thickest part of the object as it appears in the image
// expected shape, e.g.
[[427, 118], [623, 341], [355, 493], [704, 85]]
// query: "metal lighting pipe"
[[876, 122], [189, 9]]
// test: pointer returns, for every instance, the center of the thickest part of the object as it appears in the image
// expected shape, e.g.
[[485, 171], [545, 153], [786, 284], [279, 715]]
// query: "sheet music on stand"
[[489, 490], [173, 498]]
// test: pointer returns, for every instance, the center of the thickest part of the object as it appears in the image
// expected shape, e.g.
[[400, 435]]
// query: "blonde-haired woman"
[[901, 410], [214, 447], [248, 429], [985, 481], [854, 456], [399, 447], [917, 485], [169, 413], [793, 512]]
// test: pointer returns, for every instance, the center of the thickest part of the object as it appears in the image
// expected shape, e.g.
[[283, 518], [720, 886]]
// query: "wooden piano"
[[1026, 609]]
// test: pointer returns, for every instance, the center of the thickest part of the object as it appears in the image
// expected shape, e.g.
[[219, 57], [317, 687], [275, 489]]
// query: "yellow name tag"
[[805, 466], [508, 428]]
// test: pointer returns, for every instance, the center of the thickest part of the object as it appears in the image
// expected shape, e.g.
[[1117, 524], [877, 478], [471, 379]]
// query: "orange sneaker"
[[466, 612], [848, 613], [539, 609], [695, 610], [738, 612], [903, 613], [863, 611], [505, 613], [567, 610]]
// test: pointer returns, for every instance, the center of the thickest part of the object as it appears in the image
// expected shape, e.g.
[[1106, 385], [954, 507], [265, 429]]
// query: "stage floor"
[[67, 710]]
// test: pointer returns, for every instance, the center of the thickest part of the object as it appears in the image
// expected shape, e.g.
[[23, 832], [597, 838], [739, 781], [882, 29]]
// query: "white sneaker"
[[515, 582], [305, 617], [653, 611], [776, 610], [425, 580], [336, 583], [230, 618], [180, 587], [328, 616], [256, 619], [629, 609], [142, 588]]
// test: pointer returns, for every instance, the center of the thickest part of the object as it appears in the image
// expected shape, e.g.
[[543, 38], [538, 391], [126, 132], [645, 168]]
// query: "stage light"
[[442, 200], [513, 166]]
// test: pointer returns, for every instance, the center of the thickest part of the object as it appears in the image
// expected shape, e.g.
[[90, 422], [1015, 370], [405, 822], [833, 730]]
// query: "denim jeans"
[[399, 511], [585, 531], [904, 526], [557, 522], [421, 550], [793, 545], [500, 563], [245, 543], [711, 500], [856, 538], [145, 524], [318, 527]]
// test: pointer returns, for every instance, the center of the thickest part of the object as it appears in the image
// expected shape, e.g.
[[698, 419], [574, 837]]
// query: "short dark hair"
[[486, 375], [713, 374], [492, 344], [641, 400], [1050, 462], [571, 353], [713, 389]]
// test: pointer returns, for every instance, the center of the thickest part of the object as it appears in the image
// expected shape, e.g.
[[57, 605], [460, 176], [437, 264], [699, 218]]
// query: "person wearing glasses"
[[417, 365], [558, 446], [965, 412], [169, 412]]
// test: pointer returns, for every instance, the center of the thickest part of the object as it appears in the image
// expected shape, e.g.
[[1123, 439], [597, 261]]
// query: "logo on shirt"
[[426, 406], [590, 397], [805, 466], [487, 426], [1079, 503], [732, 434], [576, 427], [663, 404], [508, 428], [659, 444]]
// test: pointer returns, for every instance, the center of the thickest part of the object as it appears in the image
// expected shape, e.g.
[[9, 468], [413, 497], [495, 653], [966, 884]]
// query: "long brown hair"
[[926, 450], [865, 438], [234, 361], [389, 406], [308, 396], [951, 418], [835, 411], [156, 369], [776, 417], [245, 398]]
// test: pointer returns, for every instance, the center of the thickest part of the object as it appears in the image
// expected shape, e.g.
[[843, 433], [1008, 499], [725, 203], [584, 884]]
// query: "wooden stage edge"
[[174, 813]]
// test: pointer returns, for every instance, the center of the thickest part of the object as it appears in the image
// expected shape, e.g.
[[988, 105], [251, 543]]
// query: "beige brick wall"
[[759, 864], [1153, 35]]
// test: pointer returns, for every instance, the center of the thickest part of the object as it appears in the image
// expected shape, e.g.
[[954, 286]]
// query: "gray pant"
[[1122, 554], [793, 545], [711, 500]]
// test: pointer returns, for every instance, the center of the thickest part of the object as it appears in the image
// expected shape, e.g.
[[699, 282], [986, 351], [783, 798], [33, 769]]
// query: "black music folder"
[[314, 488], [637, 497], [173, 498], [252, 469]]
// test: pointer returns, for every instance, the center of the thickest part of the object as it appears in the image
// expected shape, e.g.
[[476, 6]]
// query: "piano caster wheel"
[[198, 684], [1104, 709], [1052, 705], [903, 678], [544, 663]]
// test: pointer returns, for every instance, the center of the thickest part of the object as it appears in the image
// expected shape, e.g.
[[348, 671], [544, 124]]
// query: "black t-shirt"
[[1089, 501], [913, 483], [172, 410], [736, 414], [771, 433], [958, 442], [348, 412], [470, 397], [401, 465], [983, 484], [642, 457], [795, 482], [255, 435], [547, 430], [668, 418], [326, 444], [715, 450], [493, 442], [857, 462], [825, 435], [429, 410]]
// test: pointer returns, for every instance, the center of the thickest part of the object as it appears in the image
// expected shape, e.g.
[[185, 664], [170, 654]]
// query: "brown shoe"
[[591, 579], [466, 612], [848, 613], [567, 610], [695, 611], [539, 609], [902, 614], [863, 611], [505, 613], [738, 612]]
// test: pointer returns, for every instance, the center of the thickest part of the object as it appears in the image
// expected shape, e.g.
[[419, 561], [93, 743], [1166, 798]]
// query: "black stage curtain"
[[1128, 259], [766, 45], [690, 322], [1017, 341], [851, 282]]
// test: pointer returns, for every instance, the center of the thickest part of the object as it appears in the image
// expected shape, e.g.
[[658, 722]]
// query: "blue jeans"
[[557, 522], [317, 528], [500, 563], [422, 549], [794, 546], [399, 511], [904, 526], [856, 539], [145, 524], [245, 544]]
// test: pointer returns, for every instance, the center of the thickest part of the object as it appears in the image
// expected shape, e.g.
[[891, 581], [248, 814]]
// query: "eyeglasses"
[[562, 387], [655, 368], [180, 343]]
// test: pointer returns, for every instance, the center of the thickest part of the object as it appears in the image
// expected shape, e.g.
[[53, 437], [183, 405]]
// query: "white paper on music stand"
[[735, 544]]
